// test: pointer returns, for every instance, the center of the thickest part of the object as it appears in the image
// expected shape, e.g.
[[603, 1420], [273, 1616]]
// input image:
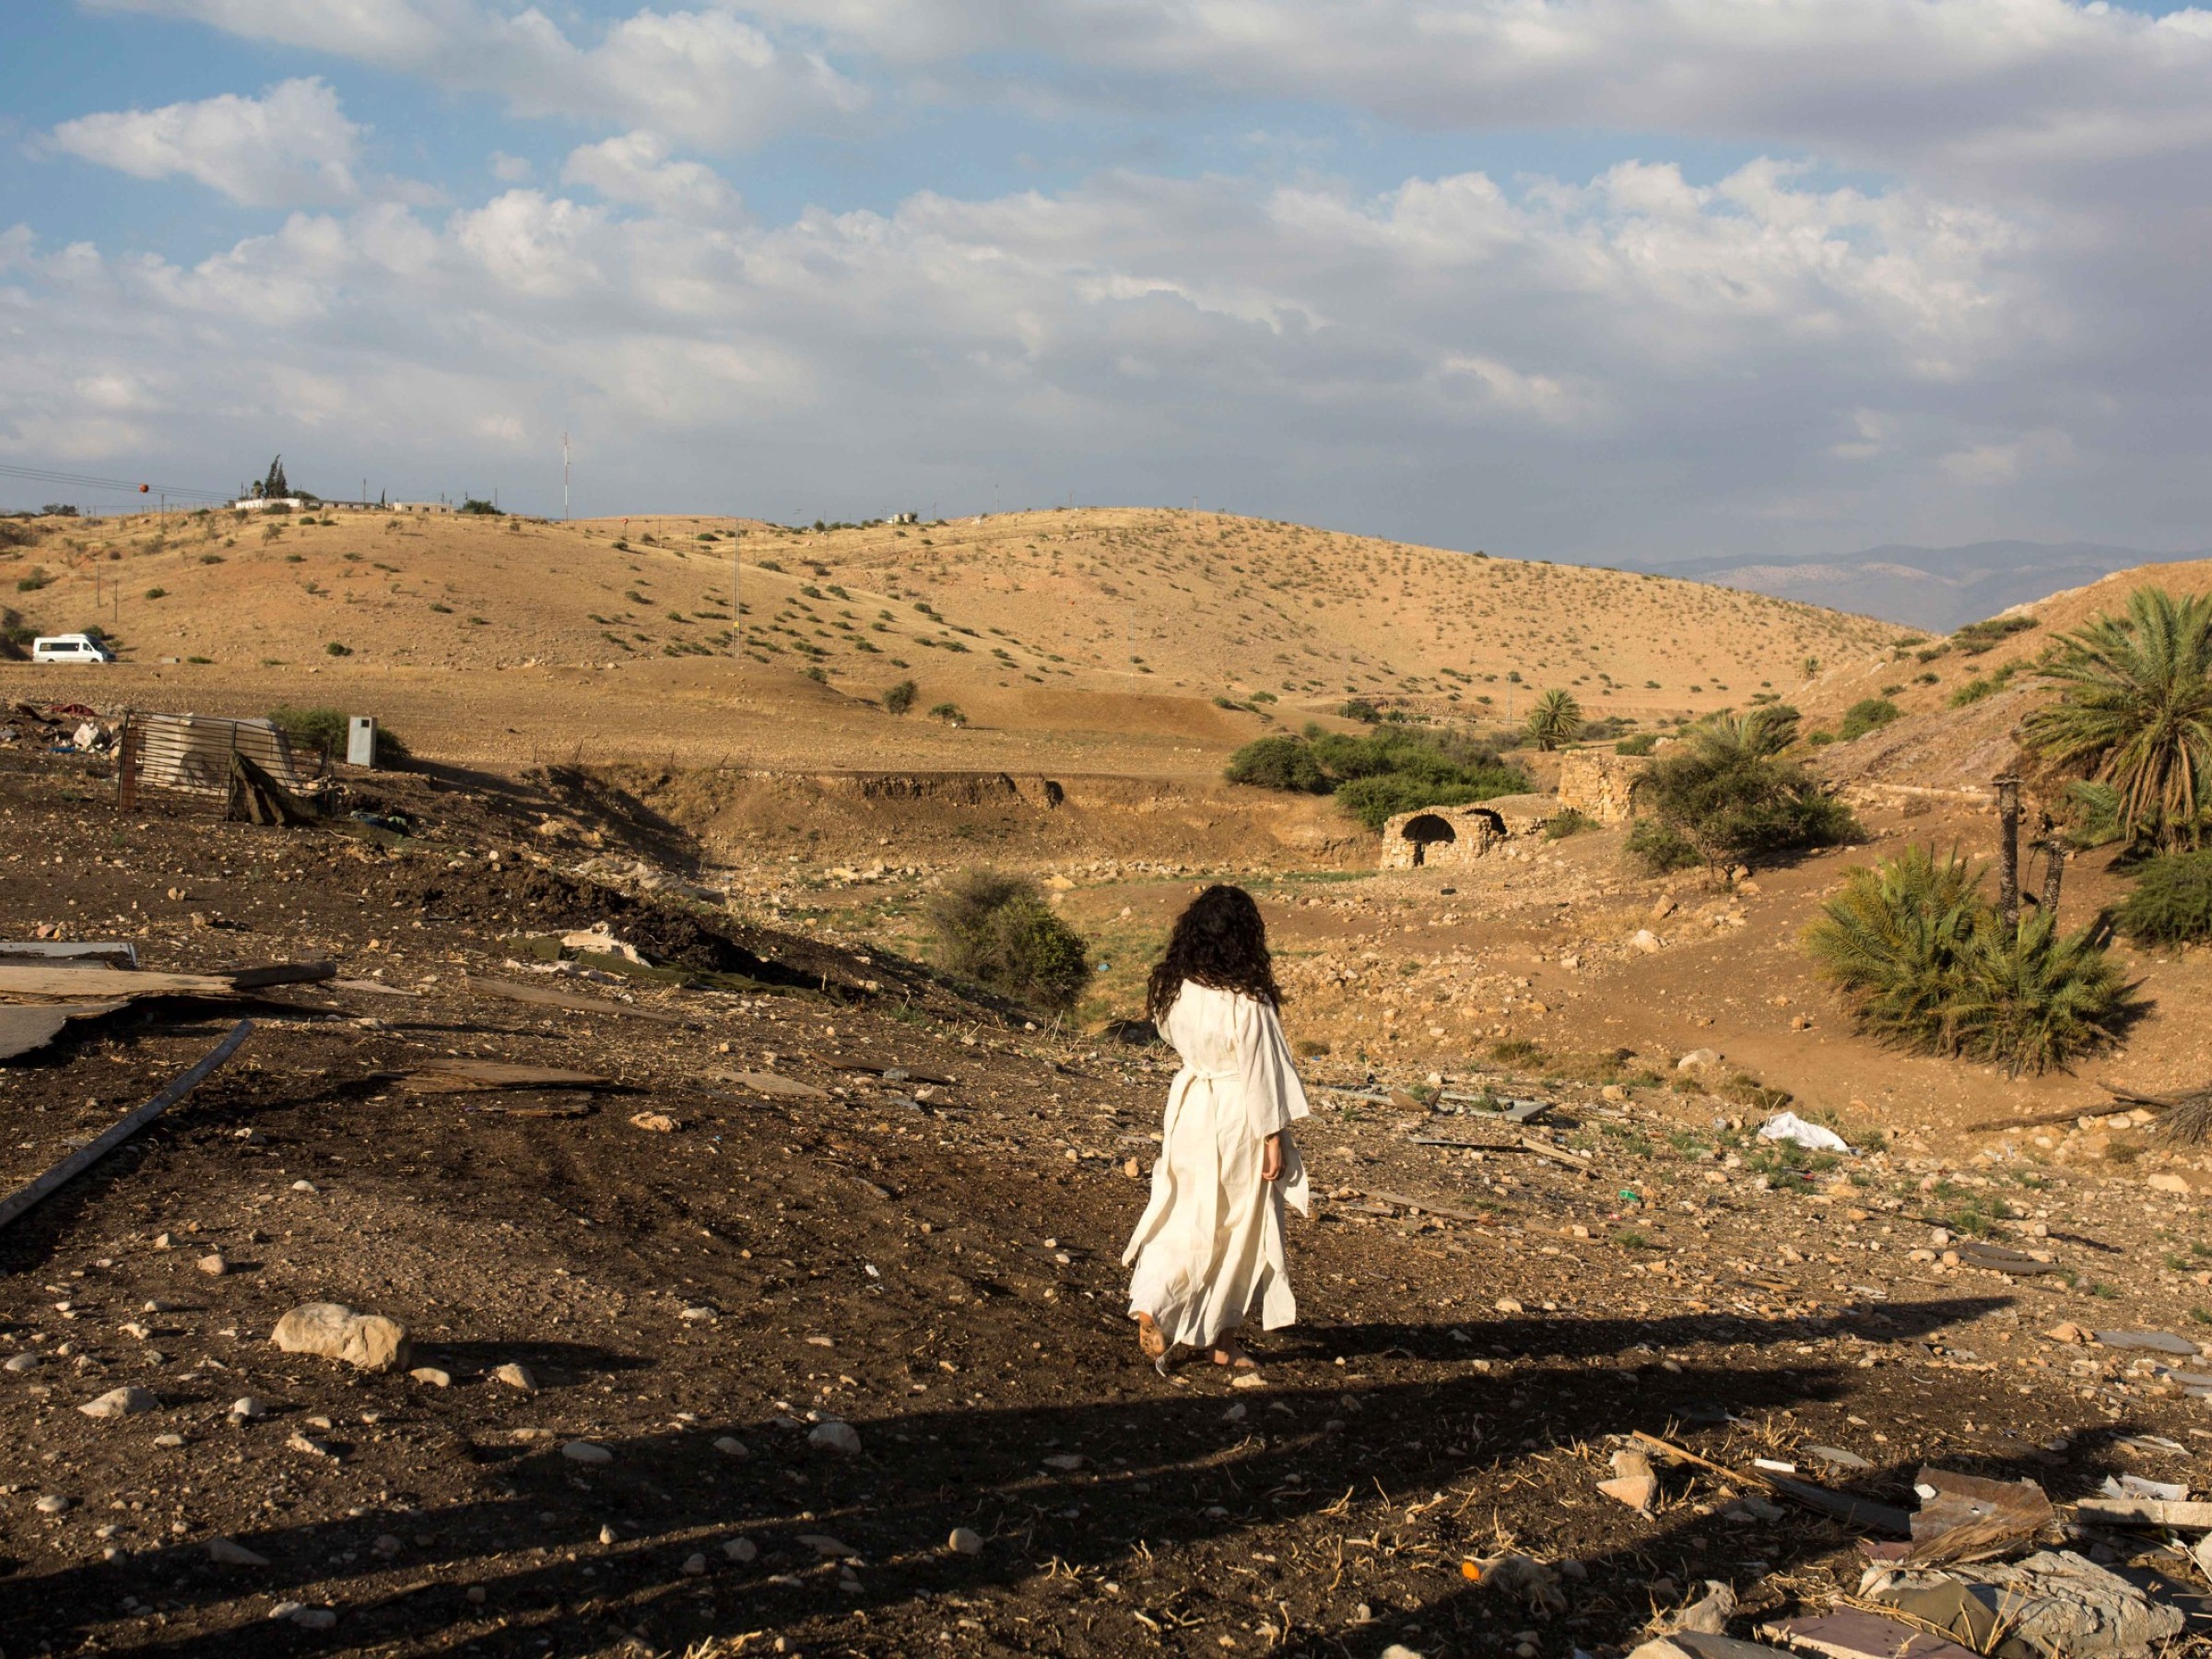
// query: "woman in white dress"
[[1208, 1252]]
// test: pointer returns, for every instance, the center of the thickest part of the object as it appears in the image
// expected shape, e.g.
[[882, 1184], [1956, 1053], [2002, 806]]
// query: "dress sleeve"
[[1274, 1097]]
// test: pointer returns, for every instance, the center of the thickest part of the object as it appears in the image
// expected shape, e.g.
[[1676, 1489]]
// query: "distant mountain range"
[[1937, 589]]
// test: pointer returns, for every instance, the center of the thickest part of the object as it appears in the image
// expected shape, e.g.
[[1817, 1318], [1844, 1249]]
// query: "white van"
[[69, 648]]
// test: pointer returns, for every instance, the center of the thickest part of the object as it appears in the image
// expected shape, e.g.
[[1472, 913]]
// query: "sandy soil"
[[940, 1275]]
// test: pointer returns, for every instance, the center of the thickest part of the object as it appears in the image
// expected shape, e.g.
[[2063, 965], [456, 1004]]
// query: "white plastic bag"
[[1789, 1126]]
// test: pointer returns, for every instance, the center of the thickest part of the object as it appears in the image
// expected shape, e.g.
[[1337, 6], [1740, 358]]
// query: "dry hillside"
[[1103, 639], [1963, 697]]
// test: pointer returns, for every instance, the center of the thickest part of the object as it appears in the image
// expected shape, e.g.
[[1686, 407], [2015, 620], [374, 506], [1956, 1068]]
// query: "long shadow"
[[1186, 1469]]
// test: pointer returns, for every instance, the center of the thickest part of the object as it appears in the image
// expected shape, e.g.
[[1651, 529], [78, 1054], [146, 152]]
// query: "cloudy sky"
[[1622, 281]]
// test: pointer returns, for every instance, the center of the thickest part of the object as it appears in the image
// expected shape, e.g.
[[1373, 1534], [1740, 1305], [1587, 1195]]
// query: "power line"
[[39, 474]]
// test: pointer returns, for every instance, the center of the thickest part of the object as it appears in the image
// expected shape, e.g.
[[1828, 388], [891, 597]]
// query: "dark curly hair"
[[1219, 941]]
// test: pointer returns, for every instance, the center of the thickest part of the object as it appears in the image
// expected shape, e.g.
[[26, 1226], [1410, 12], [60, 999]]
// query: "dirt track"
[[943, 1276]]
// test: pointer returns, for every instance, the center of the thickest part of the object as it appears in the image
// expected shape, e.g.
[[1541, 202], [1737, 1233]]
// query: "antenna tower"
[[564, 477]]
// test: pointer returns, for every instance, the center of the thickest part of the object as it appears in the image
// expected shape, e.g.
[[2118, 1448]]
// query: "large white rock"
[[835, 1437], [369, 1341]]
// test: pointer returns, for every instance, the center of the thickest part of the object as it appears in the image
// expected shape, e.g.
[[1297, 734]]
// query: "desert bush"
[[1642, 742], [1926, 963], [949, 712], [479, 508], [1868, 714], [1572, 820], [324, 731], [1977, 637], [998, 931], [31, 583], [2171, 901], [14, 533], [900, 698], [1729, 797], [1286, 763], [2134, 712], [1556, 719], [1359, 708], [334, 648]]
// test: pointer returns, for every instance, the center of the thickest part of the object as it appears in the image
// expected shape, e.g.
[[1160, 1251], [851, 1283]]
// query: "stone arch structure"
[[1424, 830]]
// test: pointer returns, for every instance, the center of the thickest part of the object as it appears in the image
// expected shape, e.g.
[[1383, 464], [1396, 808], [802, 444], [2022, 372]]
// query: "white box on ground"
[[360, 740]]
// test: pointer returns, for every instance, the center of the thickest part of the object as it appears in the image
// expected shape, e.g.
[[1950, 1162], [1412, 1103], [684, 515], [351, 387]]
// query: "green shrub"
[[1286, 763], [949, 712], [2171, 903], [1728, 798], [1361, 710], [1977, 637], [1926, 963], [335, 648], [1868, 714], [900, 698], [324, 731], [157, 593], [480, 508], [1572, 820], [998, 931], [1644, 743], [1395, 769], [31, 583]]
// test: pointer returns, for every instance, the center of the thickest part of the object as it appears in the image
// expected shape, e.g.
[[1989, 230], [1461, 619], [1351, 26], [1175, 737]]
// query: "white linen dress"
[[1209, 1249]]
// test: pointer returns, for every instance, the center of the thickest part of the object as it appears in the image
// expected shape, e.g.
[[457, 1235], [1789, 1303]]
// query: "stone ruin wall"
[[1601, 786]]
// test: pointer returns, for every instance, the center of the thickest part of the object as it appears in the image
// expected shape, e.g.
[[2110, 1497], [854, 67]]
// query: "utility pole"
[[736, 610], [564, 477]]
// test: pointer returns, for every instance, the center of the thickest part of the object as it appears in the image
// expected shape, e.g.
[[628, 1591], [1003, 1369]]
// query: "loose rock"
[[585, 1452], [120, 1401], [835, 1437], [367, 1341]]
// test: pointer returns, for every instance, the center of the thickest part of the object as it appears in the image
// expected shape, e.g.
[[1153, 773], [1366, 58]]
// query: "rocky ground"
[[933, 1265]]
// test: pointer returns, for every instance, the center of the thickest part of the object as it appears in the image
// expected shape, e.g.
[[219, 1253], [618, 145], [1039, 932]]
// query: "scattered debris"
[[1789, 1126], [2052, 1603], [85, 1157]]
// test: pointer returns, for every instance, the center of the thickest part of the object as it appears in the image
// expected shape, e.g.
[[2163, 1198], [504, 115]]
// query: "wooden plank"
[[453, 1076], [282, 973], [85, 1157], [846, 1063], [545, 996], [1841, 1506], [769, 1083], [24, 979], [1423, 1206], [2147, 1512], [29, 1027]]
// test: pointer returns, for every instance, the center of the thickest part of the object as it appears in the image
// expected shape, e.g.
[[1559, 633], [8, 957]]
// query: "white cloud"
[[705, 76], [1998, 83], [509, 169], [635, 168], [1655, 351], [291, 147]]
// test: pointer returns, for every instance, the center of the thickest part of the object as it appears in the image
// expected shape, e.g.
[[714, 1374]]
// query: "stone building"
[[1458, 835]]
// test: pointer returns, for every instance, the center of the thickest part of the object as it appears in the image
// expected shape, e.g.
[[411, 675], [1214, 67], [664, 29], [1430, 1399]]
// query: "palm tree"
[[1556, 719], [2135, 711]]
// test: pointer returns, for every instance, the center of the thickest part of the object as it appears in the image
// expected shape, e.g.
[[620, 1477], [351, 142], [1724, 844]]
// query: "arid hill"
[[1113, 639]]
